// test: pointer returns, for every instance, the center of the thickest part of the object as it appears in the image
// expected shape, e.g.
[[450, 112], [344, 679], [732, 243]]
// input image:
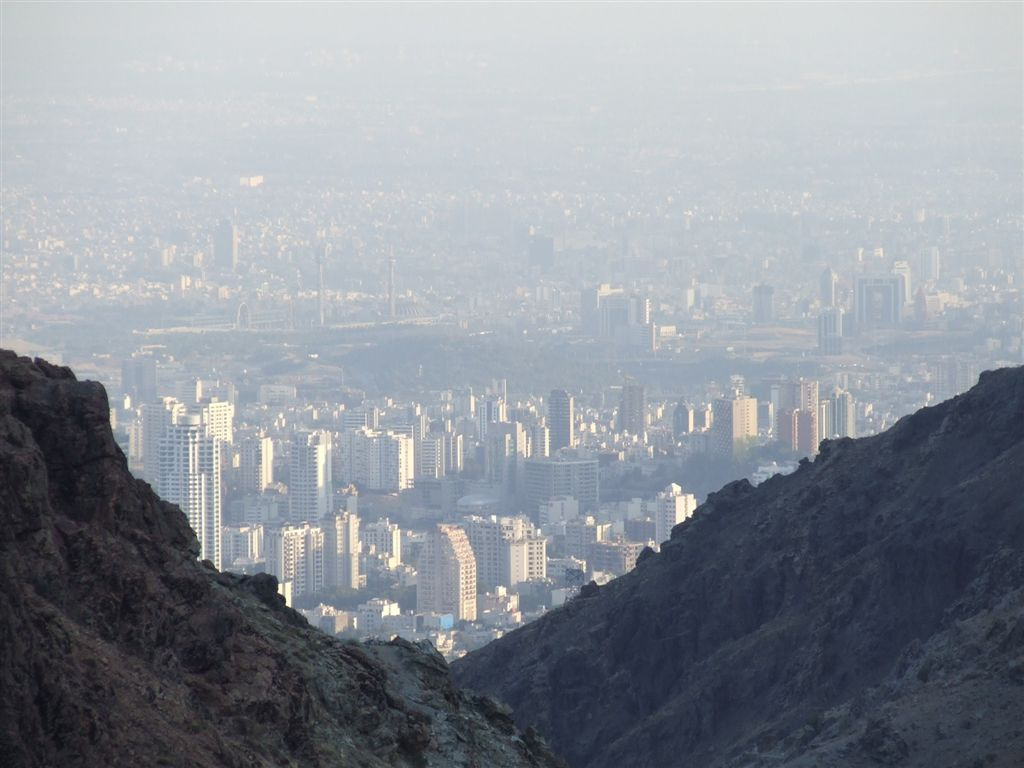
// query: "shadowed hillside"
[[867, 609], [118, 648]]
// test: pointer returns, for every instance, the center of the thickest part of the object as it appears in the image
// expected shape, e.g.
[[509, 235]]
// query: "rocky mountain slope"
[[118, 648], [866, 610]]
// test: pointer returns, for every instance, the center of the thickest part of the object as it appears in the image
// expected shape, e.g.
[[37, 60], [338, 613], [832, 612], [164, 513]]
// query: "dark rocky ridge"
[[117, 648], [866, 610]]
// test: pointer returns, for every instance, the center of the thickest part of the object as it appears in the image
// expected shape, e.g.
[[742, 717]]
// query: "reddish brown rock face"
[[118, 648]]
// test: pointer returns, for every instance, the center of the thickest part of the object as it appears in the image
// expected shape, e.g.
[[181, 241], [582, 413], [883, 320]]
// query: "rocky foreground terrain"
[[118, 648], [866, 610]]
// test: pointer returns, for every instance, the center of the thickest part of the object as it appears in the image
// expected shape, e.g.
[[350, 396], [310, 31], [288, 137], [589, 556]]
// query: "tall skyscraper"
[[558, 476], [929, 263], [256, 463], [734, 425], [218, 416], [225, 246], [845, 415], [446, 579], [242, 548], [138, 378], [764, 304], [828, 288], [830, 331], [540, 441], [901, 269], [682, 419], [310, 486], [508, 551], [155, 418], [633, 409], [878, 301], [296, 555], [504, 448], [809, 432], [453, 452], [581, 533], [673, 506], [591, 301], [383, 539], [489, 410], [430, 458], [342, 547], [190, 478], [838, 415], [561, 420], [377, 460]]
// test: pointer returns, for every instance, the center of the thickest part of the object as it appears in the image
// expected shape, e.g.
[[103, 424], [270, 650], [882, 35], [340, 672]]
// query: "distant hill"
[[866, 610], [118, 648]]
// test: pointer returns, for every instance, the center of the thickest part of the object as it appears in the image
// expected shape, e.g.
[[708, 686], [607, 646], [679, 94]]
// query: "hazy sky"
[[100, 45]]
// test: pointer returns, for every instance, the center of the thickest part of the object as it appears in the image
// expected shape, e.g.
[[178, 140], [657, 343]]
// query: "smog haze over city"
[[499, 293]]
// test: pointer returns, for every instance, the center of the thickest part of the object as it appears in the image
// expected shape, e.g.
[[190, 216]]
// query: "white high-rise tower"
[[190, 478], [310, 484]]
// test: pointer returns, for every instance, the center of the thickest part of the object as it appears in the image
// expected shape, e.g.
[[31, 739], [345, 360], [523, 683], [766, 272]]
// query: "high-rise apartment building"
[[377, 460], [878, 301], [616, 557], [830, 331], [838, 415], [539, 441], [138, 378], [295, 554], [682, 419], [430, 461], [310, 486], [734, 425], [504, 450], [358, 418], [242, 548], [550, 478], [632, 409], [155, 418], [901, 269], [581, 532], [763, 304], [342, 547], [508, 550], [929, 265], [190, 477], [218, 417], [561, 420], [446, 579], [225, 246], [527, 558], [808, 429], [797, 415], [489, 410], [672, 506], [844, 415], [828, 288], [256, 463], [383, 539], [452, 444]]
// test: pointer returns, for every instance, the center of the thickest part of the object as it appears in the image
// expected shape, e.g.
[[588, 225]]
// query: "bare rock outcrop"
[[118, 648], [866, 610]]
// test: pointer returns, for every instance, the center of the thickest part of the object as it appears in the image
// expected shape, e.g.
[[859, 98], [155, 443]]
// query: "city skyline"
[[545, 276]]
